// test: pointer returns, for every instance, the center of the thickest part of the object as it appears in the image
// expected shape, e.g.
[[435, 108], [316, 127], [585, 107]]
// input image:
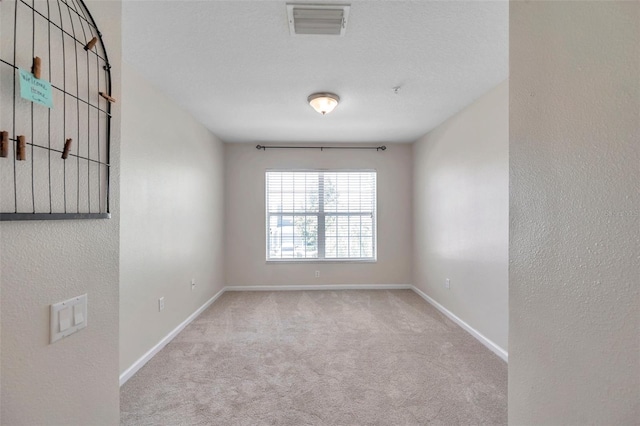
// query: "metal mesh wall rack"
[[54, 161]]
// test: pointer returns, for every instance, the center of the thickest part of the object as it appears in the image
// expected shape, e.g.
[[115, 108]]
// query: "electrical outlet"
[[317, 274], [447, 283], [161, 303], [193, 284]]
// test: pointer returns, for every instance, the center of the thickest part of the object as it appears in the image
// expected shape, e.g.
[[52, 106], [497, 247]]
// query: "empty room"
[[260, 212]]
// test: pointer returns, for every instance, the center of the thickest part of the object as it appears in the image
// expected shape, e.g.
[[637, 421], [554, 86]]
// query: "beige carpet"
[[319, 358]]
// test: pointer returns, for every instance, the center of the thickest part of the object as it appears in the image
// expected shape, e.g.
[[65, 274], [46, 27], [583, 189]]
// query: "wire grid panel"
[[44, 185]]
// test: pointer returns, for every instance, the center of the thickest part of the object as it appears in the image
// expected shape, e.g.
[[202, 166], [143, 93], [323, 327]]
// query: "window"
[[321, 215]]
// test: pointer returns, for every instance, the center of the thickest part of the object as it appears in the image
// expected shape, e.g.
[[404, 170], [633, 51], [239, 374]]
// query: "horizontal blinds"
[[349, 192], [292, 192], [340, 192], [321, 214]]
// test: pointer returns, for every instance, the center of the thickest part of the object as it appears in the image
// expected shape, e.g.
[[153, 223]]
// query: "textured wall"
[[575, 209], [172, 217], [245, 216], [75, 380], [461, 214]]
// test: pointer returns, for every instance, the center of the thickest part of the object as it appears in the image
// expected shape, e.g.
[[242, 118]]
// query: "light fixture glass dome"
[[324, 103]]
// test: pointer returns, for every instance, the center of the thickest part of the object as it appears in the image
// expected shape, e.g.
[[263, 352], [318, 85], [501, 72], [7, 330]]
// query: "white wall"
[[172, 226], [460, 197], [245, 216], [575, 213], [75, 380]]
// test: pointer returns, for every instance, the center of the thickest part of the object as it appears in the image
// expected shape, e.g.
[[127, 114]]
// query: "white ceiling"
[[234, 66]]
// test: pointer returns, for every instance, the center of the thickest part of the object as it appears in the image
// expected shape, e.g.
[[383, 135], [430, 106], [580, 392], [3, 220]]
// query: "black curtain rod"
[[321, 148]]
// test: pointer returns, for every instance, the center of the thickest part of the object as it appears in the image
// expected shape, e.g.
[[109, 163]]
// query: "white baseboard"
[[133, 369], [475, 333], [320, 287]]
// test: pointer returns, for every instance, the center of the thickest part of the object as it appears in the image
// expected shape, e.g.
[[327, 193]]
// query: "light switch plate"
[[73, 318]]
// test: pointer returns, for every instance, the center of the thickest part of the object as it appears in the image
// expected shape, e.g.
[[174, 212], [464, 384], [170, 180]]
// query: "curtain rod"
[[321, 148]]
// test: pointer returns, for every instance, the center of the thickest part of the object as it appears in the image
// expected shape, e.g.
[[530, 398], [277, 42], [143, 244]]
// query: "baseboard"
[[475, 333], [320, 287], [133, 369]]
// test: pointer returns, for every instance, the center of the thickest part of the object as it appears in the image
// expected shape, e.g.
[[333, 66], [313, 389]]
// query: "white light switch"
[[68, 317], [64, 317], [78, 314]]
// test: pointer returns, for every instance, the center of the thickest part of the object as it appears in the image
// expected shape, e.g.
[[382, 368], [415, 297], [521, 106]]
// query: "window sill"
[[301, 261]]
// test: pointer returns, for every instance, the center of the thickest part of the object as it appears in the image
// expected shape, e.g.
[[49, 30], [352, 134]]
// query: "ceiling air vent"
[[307, 19]]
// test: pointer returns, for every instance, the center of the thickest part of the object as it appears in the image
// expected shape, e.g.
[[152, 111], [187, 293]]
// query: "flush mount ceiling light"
[[324, 103]]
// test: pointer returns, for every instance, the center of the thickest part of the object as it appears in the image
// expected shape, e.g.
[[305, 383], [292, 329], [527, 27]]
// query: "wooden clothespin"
[[67, 148], [91, 43], [35, 68], [4, 144], [22, 148], [107, 97]]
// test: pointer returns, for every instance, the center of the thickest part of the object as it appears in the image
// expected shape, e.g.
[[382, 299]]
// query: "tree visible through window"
[[325, 215]]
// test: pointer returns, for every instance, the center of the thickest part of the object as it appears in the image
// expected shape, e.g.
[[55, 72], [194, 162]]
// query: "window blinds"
[[321, 215]]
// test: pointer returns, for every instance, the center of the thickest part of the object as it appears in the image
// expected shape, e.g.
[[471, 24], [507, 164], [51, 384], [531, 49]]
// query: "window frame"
[[321, 215]]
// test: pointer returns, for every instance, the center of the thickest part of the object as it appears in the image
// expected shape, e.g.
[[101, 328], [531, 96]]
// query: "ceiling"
[[235, 67]]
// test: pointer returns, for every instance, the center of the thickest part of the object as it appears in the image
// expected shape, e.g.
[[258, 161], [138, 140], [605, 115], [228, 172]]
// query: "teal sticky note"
[[35, 90]]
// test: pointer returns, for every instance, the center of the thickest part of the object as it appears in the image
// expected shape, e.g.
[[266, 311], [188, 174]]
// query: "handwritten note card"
[[35, 90]]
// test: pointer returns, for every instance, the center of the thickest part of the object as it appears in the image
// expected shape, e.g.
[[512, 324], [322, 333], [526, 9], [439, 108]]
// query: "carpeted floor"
[[319, 358]]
